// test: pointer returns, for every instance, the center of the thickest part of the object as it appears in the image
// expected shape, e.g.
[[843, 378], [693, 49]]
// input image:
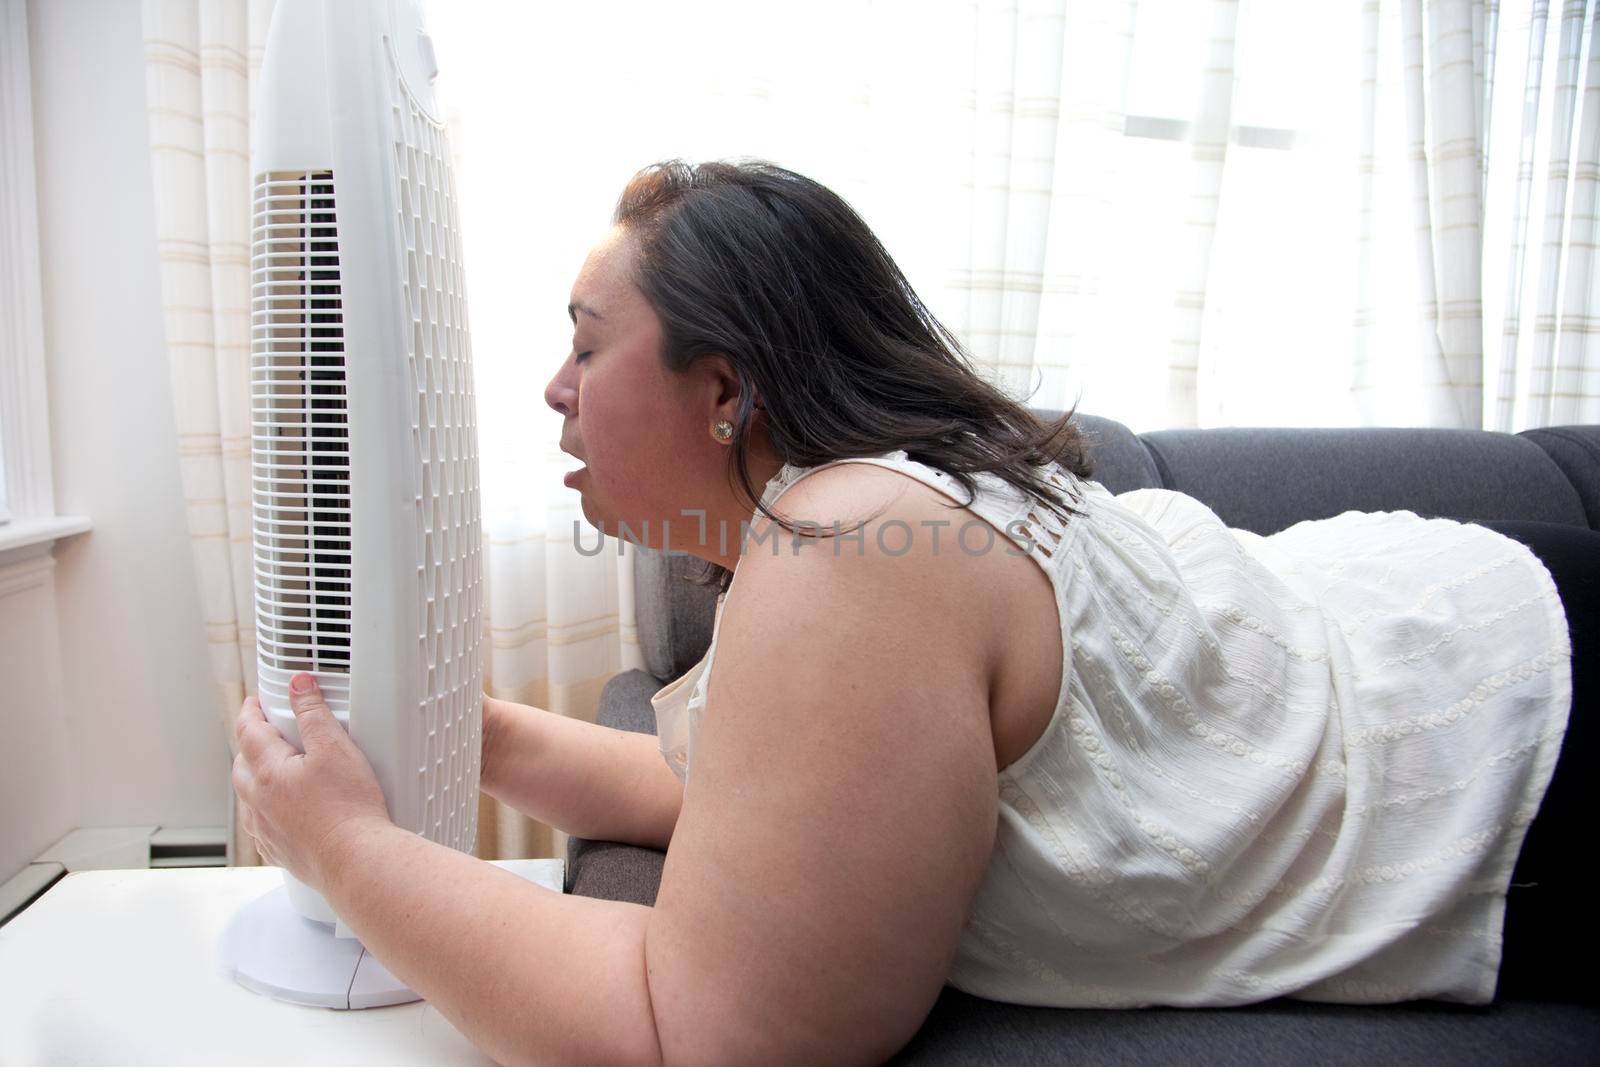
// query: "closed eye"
[[580, 357]]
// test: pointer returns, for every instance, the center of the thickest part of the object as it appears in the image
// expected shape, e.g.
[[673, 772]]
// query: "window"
[[28, 523], [5, 511]]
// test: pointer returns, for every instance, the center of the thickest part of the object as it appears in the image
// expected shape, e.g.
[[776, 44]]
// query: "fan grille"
[[300, 432], [444, 425]]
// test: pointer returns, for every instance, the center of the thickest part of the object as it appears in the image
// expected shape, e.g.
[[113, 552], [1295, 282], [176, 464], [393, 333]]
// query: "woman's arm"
[[585, 780], [842, 818], [530, 976]]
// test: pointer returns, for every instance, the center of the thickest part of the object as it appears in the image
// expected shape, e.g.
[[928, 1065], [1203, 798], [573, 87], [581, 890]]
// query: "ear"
[[720, 386]]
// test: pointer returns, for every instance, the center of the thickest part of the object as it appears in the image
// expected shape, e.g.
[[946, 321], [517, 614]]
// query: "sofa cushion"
[[1576, 450], [1269, 479], [1120, 460], [963, 1029], [607, 869]]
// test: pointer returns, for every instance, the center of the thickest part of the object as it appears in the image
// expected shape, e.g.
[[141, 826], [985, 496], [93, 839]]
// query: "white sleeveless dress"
[[1293, 765]]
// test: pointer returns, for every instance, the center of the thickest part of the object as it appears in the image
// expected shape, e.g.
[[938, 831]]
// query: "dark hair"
[[780, 275]]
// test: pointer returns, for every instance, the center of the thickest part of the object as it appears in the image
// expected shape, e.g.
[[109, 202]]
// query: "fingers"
[[249, 712], [250, 824], [259, 741], [315, 720], [247, 825], [244, 787], [264, 852], [262, 744]]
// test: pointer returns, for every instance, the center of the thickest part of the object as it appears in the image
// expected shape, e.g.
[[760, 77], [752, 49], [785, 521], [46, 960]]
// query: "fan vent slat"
[[300, 430]]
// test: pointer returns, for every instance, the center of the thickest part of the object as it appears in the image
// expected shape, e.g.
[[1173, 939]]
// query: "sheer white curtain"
[[200, 61], [1180, 212], [1480, 145], [1424, 69], [1541, 281]]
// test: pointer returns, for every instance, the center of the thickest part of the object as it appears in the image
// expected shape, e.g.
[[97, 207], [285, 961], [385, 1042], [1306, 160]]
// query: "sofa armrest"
[[1576, 450], [1120, 460], [607, 869], [674, 613]]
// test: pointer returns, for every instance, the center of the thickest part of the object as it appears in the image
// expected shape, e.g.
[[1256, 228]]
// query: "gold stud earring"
[[723, 431]]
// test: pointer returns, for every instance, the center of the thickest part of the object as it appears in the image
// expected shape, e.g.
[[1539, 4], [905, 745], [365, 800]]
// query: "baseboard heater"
[[112, 848]]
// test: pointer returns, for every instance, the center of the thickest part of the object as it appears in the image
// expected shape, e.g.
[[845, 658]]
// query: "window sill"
[[27, 538]]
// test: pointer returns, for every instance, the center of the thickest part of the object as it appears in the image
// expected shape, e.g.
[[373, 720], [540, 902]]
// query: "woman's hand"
[[298, 807]]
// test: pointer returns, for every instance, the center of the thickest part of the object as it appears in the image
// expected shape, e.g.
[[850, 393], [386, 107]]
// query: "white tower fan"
[[364, 452]]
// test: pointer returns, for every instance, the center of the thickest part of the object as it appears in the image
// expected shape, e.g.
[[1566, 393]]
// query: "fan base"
[[269, 947]]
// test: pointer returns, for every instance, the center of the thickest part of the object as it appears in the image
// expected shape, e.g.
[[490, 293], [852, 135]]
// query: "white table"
[[119, 968]]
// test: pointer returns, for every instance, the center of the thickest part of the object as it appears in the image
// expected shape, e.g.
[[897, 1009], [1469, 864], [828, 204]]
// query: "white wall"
[[135, 706], [39, 775]]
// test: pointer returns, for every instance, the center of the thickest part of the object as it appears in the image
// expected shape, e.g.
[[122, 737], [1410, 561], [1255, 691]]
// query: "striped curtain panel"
[[199, 59], [1472, 129], [1548, 326], [1040, 120], [1210, 132], [560, 622], [1435, 76], [1498, 153], [1050, 271]]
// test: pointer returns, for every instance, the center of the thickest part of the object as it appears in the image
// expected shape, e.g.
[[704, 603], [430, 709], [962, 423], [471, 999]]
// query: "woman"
[[972, 718]]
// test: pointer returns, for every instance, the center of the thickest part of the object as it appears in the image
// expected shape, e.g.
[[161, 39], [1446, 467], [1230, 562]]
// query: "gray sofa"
[[1261, 480]]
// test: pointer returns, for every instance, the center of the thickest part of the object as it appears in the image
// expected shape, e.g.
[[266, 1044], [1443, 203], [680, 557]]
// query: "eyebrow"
[[575, 307]]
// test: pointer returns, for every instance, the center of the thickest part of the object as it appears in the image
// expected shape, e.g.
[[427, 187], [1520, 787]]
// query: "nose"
[[561, 394]]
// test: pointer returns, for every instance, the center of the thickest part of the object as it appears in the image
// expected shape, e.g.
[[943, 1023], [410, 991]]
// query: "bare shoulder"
[[991, 607], [907, 536], [874, 550]]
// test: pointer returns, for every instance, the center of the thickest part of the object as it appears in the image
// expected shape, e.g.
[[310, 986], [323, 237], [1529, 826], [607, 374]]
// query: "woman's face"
[[642, 432]]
